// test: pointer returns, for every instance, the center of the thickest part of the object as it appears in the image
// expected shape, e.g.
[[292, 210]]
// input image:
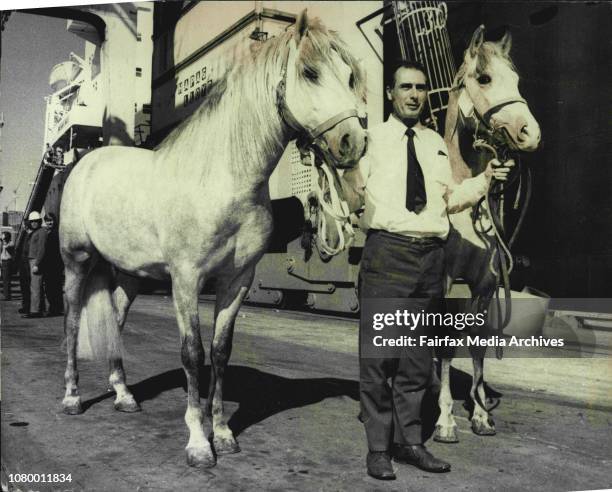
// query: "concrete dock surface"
[[292, 392]]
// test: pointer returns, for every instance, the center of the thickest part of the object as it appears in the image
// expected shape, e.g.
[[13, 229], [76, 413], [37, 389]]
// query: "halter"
[[499, 135], [305, 137], [305, 141], [495, 141]]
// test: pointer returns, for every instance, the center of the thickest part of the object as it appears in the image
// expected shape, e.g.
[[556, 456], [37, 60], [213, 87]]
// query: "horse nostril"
[[345, 144], [523, 133]]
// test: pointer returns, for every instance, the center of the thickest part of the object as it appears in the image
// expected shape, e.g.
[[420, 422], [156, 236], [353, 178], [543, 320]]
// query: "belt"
[[425, 241]]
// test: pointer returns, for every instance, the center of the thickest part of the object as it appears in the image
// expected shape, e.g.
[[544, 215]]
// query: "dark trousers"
[[393, 266], [53, 281], [37, 299], [24, 283], [6, 278]]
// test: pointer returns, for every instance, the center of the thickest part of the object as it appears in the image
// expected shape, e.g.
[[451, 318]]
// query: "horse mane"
[[241, 104], [487, 51], [237, 118], [317, 48]]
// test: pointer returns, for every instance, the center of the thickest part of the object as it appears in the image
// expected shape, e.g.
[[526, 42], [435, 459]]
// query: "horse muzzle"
[[346, 143], [522, 131]]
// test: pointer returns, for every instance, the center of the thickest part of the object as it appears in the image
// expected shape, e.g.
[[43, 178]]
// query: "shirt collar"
[[399, 128]]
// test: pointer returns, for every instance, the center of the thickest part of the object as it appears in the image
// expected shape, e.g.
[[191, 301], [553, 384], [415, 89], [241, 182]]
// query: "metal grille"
[[422, 34], [301, 176]]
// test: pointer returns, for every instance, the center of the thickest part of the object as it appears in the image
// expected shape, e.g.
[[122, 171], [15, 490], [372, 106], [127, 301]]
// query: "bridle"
[[499, 136], [306, 138], [498, 142], [315, 151]]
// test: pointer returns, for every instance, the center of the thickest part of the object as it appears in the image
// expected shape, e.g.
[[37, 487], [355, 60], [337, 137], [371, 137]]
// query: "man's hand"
[[34, 269], [498, 170]]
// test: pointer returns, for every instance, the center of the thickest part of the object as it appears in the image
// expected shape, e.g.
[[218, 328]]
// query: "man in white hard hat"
[[36, 252]]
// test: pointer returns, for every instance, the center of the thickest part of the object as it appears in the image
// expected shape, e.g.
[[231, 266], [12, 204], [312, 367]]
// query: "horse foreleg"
[[185, 290], [230, 294], [123, 295], [446, 427], [482, 423], [75, 278]]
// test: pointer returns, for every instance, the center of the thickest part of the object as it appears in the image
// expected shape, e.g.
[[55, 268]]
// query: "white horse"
[[198, 208], [485, 104]]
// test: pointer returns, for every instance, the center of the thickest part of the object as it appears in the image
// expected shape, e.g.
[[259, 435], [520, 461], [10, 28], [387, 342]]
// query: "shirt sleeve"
[[467, 193]]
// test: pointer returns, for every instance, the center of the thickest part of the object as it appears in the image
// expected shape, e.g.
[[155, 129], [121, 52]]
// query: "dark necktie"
[[416, 197]]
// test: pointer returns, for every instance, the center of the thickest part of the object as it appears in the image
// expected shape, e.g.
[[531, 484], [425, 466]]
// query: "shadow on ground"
[[260, 394]]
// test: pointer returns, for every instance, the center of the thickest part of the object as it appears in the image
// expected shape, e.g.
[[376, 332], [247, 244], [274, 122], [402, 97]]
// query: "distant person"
[[7, 254], [24, 269], [59, 157], [49, 156], [36, 252], [53, 268]]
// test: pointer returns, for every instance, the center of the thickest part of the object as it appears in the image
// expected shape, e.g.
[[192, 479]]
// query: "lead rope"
[[506, 262], [478, 144], [336, 208]]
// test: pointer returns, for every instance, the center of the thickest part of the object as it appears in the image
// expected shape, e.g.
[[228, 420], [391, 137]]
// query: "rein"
[[497, 141], [337, 209], [311, 147]]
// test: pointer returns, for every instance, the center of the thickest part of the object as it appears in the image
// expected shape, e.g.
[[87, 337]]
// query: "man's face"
[[35, 224], [49, 224], [408, 94]]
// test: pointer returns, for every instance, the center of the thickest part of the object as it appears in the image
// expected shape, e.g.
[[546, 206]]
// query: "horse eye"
[[352, 81], [484, 79], [311, 74]]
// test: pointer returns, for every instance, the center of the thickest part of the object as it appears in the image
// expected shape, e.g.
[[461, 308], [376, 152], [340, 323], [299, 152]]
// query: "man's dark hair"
[[51, 216], [415, 65], [6, 235]]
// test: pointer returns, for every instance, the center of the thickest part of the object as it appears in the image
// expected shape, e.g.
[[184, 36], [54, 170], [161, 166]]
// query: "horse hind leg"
[[229, 298], [76, 273], [126, 289], [482, 423], [446, 427], [185, 289]]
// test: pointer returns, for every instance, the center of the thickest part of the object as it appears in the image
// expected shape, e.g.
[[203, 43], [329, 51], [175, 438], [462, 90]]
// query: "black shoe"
[[379, 465], [53, 314], [419, 457], [23, 311], [32, 315]]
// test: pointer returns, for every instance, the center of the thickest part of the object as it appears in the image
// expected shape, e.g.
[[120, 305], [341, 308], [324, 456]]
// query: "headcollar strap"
[[305, 137]]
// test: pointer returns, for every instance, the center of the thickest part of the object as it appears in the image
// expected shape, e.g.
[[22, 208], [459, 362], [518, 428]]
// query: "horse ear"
[[506, 43], [301, 26], [477, 40]]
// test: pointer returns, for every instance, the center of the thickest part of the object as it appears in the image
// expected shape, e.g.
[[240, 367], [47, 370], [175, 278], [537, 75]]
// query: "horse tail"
[[99, 333]]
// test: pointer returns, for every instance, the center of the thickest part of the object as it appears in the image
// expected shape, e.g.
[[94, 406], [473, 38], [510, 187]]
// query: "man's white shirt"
[[384, 170]]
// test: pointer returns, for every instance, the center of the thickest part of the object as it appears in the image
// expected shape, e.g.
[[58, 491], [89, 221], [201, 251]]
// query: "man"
[[59, 157], [36, 253], [49, 155], [406, 184], [24, 269], [53, 268], [7, 252]]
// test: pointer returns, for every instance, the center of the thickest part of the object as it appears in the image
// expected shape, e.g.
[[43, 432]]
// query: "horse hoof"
[[200, 458], [72, 406], [127, 405], [226, 446], [483, 429], [446, 435]]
